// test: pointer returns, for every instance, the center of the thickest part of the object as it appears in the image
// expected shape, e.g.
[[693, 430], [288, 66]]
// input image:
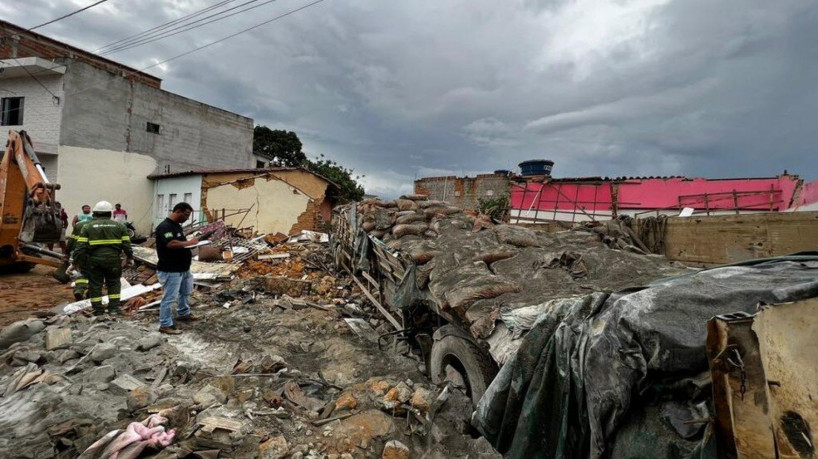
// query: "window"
[[11, 111], [260, 164], [189, 198], [171, 200], [153, 128], [160, 205]]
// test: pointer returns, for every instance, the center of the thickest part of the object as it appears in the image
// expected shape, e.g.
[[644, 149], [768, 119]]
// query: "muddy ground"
[[34, 291], [254, 377]]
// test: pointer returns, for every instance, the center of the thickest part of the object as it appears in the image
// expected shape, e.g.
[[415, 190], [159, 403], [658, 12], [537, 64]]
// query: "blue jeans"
[[177, 287]]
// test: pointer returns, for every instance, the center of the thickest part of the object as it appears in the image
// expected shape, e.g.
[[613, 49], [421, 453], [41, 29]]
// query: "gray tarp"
[[579, 372]]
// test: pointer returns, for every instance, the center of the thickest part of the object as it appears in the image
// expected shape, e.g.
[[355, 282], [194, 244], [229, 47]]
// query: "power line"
[[56, 98], [67, 15], [142, 34], [186, 27], [233, 35]]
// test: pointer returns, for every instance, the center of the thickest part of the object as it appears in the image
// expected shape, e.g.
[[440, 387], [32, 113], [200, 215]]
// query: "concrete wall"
[[177, 185], [728, 239], [41, 116], [89, 175], [105, 111], [464, 192]]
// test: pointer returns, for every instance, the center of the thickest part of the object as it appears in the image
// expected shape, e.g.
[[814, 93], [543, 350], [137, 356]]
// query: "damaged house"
[[273, 200]]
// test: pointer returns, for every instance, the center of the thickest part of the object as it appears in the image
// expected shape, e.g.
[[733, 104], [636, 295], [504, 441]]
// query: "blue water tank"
[[536, 167]]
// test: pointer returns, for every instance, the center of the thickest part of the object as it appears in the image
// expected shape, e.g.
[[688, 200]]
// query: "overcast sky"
[[399, 90]]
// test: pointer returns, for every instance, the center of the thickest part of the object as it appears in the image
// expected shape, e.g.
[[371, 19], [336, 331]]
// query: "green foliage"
[[496, 208], [283, 148], [351, 190]]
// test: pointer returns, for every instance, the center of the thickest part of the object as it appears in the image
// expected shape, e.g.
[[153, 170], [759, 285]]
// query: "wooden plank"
[[723, 239], [378, 305]]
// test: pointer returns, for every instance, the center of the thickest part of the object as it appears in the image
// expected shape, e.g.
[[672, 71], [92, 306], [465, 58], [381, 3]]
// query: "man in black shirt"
[[173, 268]]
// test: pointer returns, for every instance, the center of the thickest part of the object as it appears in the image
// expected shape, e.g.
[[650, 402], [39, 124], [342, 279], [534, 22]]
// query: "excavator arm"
[[28, 213]]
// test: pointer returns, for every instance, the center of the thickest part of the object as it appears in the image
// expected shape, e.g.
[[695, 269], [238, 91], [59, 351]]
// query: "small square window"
[[153, 128], [188, 198], [11, 111]]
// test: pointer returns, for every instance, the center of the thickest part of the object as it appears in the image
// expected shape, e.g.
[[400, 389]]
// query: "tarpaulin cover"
[[579, 372]]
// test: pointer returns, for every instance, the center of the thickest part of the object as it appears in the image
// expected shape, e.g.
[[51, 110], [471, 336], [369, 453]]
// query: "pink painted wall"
[[659, 193], [808, 195]]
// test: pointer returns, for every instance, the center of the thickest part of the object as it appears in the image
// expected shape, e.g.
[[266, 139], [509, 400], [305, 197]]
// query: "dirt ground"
[[24, 294]]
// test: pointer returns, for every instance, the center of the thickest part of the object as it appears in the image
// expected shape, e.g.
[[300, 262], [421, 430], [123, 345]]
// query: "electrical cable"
[[67, 15], [186, 27], [164, 25]]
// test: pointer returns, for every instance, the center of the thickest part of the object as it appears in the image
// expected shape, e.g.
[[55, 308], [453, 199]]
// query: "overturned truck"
[[578, 344], [446, 278]]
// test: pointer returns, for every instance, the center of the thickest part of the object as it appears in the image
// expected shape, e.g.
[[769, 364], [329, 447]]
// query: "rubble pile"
[[284, 362]]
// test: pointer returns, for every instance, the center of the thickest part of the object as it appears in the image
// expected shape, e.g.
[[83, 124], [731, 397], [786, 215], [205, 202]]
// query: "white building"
[[100, 128]]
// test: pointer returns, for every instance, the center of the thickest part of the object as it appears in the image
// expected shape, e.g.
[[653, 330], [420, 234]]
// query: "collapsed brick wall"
[[464, 192], [311, 219]]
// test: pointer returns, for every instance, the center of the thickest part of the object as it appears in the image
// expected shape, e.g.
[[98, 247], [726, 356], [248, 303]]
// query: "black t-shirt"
[[171, 260]]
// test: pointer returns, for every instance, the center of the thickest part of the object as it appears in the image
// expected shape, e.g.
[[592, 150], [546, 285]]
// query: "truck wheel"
[[472, 364]]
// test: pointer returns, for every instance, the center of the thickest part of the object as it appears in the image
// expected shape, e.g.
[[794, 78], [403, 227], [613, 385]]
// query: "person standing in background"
[[85, 216], [120, 214]]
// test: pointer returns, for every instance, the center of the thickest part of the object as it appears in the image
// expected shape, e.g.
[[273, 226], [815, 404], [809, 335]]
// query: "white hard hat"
[[102, 207]]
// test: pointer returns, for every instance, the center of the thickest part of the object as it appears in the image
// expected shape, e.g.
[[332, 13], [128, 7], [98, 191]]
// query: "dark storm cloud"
[[399, 90]]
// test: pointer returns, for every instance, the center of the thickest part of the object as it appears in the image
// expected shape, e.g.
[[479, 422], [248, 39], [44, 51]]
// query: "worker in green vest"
[[81, 283], [100, 246]]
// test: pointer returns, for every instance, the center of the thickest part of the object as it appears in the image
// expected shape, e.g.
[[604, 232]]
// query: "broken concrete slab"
[[102, 374], [149, 342], [103, 351], [57, 338], [209, 396], [19, 331], [126, 383]]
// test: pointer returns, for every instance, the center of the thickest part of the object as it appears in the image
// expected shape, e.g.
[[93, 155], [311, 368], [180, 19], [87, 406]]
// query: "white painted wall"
[[276, 206], [41, 116], [179, 186], [88, 176]]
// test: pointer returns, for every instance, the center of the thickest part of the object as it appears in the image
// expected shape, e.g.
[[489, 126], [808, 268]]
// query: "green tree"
[[351, 190], [283, 148]]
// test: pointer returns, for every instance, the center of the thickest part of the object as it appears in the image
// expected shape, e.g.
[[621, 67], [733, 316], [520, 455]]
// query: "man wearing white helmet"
[[99, 247]]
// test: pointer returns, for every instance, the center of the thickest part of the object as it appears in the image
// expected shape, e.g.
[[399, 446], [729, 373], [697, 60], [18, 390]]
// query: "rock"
[[422, 399], [19, 331], [103, 374], [126, 383], [149, 342], [103, 387], [272, 363], [57, 338], [274, 448], [140, 397], [360, 429], [28, 356], [398, 394], [379, 387], [103, 351], [208, 396], [67, 355], [482, 449], [346, 402], [395, 450]]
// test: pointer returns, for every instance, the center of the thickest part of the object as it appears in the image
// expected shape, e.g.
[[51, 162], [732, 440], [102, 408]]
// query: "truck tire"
[[474, 365]]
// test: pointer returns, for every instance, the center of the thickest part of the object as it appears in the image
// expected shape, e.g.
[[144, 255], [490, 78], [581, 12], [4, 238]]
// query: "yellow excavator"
[[28, 214]]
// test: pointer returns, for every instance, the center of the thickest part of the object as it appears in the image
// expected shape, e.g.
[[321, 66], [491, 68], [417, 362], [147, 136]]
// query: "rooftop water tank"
[[536, 167]]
